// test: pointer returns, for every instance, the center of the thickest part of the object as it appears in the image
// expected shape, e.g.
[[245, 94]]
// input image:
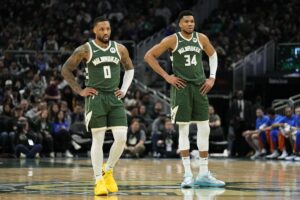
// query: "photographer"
[[167, 141], [26, 141]]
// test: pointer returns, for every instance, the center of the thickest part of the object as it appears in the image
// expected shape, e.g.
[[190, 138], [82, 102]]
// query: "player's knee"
[[203, 135], [120, 135]]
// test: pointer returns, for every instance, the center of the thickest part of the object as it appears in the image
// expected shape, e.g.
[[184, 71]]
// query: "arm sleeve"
[[213, 65]]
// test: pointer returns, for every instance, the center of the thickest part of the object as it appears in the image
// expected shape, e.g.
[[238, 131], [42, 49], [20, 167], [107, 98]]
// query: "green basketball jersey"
[[103, 68], [187, 59]]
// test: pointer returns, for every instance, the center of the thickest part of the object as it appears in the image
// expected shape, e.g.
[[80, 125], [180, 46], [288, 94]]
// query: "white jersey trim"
[[201, 46], [186, 38], [176, 44], [116, 44], [91, 53]]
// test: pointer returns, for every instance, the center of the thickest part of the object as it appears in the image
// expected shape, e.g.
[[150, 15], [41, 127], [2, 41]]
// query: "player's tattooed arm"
[[80, 53], [125, 59]]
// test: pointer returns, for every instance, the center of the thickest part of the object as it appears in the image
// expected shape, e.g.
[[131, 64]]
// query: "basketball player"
[[189, 102], [103, 106]]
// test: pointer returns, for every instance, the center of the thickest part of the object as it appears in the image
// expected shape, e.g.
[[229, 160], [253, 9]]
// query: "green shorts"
[[188, 104], [104, 110]]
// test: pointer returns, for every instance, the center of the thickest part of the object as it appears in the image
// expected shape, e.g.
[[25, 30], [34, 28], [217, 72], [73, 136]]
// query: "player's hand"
[[88, 92], [119, 93], [175, 81], [206, 87]]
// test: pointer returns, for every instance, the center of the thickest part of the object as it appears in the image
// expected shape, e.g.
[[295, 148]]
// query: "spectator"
[[240, 120], [167, 142], [27, 144], [52, 92], [61, 135], [274, 131], [284, 127], [216, 131], [136, 138], [253, 136]]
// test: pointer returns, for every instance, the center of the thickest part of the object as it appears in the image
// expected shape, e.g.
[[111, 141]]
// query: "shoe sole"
[[186, 186], [207, 185]]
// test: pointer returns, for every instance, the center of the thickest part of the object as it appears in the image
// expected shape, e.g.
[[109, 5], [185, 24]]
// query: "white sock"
[[187, 166], [116, 150], [203, 166], [97, 152]]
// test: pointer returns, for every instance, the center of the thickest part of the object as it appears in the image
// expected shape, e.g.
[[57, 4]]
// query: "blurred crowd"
[[63, 25], [42, 117], [237, 28]]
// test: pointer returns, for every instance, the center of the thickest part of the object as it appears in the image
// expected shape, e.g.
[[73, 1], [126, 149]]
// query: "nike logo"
[[96, 50], [180, 41]]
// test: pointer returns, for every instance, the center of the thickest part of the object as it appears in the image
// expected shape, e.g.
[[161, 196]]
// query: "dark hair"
[[185, 13], [271, 111], [99, 19]]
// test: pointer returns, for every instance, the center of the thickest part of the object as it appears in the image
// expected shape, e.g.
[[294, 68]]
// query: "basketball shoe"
[[100, 188], [187, 182], [110, 182], [207, 180]]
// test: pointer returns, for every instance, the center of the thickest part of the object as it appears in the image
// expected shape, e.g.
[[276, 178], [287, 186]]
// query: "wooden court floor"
[[148, 179]]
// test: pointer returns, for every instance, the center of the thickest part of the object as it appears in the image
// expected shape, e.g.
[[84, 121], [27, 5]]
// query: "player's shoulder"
[[82, 48], [82, 51], [121, 48], [169, 41], [202, 36]]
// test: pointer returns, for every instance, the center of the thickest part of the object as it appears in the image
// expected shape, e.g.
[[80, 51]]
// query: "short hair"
[[271, 111], [99, 19], [185, 13]]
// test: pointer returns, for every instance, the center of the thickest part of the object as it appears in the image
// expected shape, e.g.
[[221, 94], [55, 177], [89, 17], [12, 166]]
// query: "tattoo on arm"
[[71, 64], [125, 59]]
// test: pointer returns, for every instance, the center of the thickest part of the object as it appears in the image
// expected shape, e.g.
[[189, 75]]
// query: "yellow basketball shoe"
[[100, 188], [110, 182]]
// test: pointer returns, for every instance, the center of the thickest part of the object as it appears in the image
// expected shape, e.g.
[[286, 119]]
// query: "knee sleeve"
[[184, 143], [120, 135], [203, 135]]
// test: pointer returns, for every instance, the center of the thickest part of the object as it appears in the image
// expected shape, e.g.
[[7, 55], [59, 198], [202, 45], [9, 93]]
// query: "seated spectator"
[[136, 138], [42, 126], [52, 92], [78, 114], [61, 135], [274, 131], [27, 144], [156, 110], [216, 131], [294, 136], [157, 128], [285, 130], [253, 136], [7, 133], [167, 142]]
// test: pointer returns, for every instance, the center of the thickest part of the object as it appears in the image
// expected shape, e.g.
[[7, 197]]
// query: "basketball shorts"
[[188, 104]]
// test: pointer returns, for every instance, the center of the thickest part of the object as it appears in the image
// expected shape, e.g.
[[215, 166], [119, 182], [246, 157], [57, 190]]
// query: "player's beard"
[[103, 40], [188, 32]]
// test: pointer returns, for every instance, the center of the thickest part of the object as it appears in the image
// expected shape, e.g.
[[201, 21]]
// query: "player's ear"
[[94, 30]]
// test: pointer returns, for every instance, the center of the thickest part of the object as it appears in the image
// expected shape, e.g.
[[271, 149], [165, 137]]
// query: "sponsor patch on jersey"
[[194, 40], [112, 50]]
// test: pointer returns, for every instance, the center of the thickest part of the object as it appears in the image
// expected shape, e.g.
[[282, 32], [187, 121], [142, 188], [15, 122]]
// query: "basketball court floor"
[[149, 179]]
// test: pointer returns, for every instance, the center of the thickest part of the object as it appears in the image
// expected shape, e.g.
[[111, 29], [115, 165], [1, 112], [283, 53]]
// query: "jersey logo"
[[173, 113], [88, 117], [112, 50], [194, 40], [96, 50], [180, 41]]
